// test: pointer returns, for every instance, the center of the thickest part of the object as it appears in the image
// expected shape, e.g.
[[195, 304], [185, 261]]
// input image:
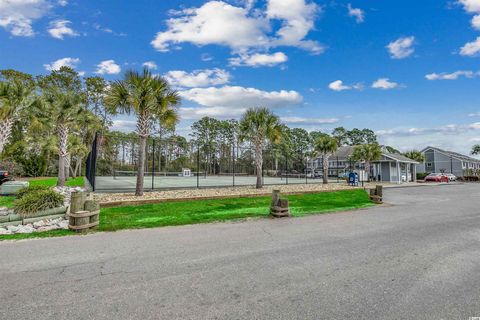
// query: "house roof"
[[452, 154], [345, 152], [399, 157]]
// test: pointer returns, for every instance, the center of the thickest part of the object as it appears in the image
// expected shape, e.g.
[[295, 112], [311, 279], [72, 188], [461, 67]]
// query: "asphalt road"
[[416, 259]]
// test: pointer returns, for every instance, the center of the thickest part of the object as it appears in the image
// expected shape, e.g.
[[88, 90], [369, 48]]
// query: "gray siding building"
[[438, 160], [391, 167]]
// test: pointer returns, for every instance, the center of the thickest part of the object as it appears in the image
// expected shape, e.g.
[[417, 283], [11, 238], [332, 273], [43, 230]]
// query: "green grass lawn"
[[52, 182], [205, 211], [6, 201]]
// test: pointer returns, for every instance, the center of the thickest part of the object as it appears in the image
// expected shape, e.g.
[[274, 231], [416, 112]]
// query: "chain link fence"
[[171, 167]]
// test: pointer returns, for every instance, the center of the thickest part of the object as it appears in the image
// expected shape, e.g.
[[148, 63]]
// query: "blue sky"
[[407, 69]]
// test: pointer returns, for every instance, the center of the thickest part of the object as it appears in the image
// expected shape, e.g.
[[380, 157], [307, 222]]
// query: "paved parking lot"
[[417, 258]]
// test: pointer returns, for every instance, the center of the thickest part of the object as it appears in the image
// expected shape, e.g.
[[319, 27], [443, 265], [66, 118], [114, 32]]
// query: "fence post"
[[286, 168], [153, 163], [198, 167], [233, 163], [306, 167]]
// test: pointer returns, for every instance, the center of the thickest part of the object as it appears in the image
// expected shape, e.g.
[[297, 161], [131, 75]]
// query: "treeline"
[[48, 124]]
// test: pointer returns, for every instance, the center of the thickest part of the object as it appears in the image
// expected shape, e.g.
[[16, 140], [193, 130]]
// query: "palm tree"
[[147, 96], [367, 153], [326, 146], [415, 155], [259, 125], [15, 97], [63, 110], [476, 149]]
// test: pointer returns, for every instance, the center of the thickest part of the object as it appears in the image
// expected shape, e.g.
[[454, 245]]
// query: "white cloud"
[[60, 28], [308, 121], [471, 6], [108, 67], [215, 22], [298, 19], [401, 48], [215, 112], [258, 59], [476, 22], [232, 102], [198, 78], [62, 3], [17, 16], [357, 13], [452, 129], [98, 27], [474, 114], [124, 125], [236, 97], [451, 76], [471, 49], [150, 65], [338, 85], [455, 137], [64, 62], [206, 57], [384, 84], [242, 28]]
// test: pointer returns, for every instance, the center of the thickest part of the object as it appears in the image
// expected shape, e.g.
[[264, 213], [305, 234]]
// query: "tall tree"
[[354, 137], [95, 88], [16, 96], [367, 153], [326, 146], [415, 155], [62, 103], [341, 134], [205, 133], [259, 125], [476, 149], [146, 96]]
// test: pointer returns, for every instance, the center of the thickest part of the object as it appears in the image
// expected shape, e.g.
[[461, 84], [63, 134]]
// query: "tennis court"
[[123, 181]]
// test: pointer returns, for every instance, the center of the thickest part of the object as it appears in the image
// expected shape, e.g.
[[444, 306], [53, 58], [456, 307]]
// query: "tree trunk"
[[259, 164], [143, 127], [76, 171], [325, 168], [68, 160], [5, 132], [141, 166], [62, 153]]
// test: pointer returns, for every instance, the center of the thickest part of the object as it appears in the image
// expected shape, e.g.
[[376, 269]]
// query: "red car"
[[436, 177]]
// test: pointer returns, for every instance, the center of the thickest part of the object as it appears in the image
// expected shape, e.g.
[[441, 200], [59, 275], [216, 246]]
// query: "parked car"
[[4, 176], [436, 177], [451, 177]]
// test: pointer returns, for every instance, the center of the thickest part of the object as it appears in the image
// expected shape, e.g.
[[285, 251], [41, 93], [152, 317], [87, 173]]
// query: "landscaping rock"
[[5, 231], [67, 193], [39, 226], [12, 229], [26, 229]]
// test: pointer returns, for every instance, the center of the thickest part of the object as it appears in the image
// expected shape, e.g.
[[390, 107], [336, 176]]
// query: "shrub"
[[32, 189], [421, 175], [38, 200], [34, 166]]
